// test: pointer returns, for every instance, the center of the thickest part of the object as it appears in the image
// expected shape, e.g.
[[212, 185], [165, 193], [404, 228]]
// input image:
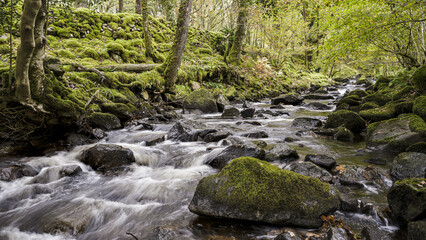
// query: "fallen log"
[[136, 68]]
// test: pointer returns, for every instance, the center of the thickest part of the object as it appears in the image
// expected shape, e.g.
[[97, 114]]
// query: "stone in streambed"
[[230, 113], [311, 170], [321, 160], [200, 100], [247, 113], [306, 123], [260, 134], [318, 106], [346, 118], [105, 121], [409, 165], [417, 230], [280, 152], [254, 190], [235, 151], [288, 99], [17, 170]]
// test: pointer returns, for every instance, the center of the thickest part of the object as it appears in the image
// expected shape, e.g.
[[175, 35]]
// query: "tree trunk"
[[147, 34], [25, 49], [138, 7], [36, 69], [120, 5], [237, 46], [174, 59]]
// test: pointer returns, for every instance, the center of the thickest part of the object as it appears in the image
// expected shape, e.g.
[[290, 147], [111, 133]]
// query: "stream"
[[151, 199]]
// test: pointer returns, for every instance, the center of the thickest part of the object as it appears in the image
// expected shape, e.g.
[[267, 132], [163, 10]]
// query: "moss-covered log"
[[136, 68]]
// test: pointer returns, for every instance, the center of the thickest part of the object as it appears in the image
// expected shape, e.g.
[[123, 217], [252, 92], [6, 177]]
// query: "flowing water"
[[150, 200]]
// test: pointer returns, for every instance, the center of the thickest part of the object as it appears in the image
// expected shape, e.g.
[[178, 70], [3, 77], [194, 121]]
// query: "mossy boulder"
[[369, 105], [254, 190], [379, 114], [404, 92], [419, 147], [122, 111], [344, 134], [417, 230], [288, 99], [419, 78], [407, 199], [378, 98], [346, 118], [360, 93], [105, 121], [381, 82], [403, 107], [419, 107], [396, 134], [201, 100], [409, 165], [351, 100]]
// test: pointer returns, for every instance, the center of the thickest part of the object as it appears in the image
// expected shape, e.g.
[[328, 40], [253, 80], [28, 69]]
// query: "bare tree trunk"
[[36, 69], [174, 59], [25, 49], [138, 7], [147, 34], [237, 46], [120, 5]]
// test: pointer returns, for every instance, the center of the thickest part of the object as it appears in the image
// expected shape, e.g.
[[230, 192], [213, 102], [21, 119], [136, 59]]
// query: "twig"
[[128, 233]]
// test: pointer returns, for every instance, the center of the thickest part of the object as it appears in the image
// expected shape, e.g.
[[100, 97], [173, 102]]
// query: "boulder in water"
[[15, 171], [254, 190], [230, 113], [280, 152], [311, 170], [106, 158], [260, 134], [346, 118], [235, 151], [409, 165], [321, 160], [319, 97], [417, 230], [105, 121], [216, 136], [248, 113], [288, 99], [200, 100], [318, 106], [179, 132], [306, 123], [344, 134], [407, 199]]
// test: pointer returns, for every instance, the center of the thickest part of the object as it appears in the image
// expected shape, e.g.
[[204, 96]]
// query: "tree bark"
[[138, 7], [147, 34], [120, 5], [36, 69], [25, 49], [234, 55], [174, 59]]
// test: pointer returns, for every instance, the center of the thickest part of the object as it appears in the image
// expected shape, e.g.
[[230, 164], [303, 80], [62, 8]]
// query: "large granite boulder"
[[107, 158], [254, 190], [407, 199], [396, 134], [200, 100], [346, 118], [409, 165]]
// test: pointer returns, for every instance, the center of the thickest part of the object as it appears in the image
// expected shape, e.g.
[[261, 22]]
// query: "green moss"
[[351, 100], [104, 120], [417, 147], [91, 53], [205, 51], [73, 43], [404, 107], [343, 134], [416, 183], [65, 54], [379, 114], [369, 105], [120, 110], [417, 124], [402, 93], [419, 107], [346, 118], [115, 48], [419, 78], [379, 98], [381, 82], [360, 93]]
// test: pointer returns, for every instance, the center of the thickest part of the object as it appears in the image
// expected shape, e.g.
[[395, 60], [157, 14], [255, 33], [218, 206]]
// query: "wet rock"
[[179, 132], [409, 165], [370, 233], [17, 170], [348, 119], [105, 158], [254, 190], [280, 152], [98, 133], [419, 147], [311, 170], [287, 236], [407, 199], [247, 105], [290, 139], [306, 123], [318, 106], [200, 134], [255, 123], [54, 173], [355, 176], [321, 160], [395, 134], [200, 100], [417, 230], [279, 106], [288, 99], [344, 134], [216, 136], [71, 170], [153, 139], [76, 139], [105, 121], [235, 151], [230, 113], [349, 203], [319, 97], [248, 113], [260, 134], [325, 131], [360, 93], [336, 233], [376, 161], [172, 233]]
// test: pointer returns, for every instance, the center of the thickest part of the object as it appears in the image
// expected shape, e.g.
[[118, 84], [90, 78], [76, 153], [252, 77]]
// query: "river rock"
[[319, 97], [318, 106], [417, 147], [105, 121], [76, 139], [346, 118], [235, 151], [179, 132], [280, 152], [344, 134], [288, 99], [419, 107], [321, 160], [254, 190], [409, 165], [248, 113], [357, 176], [306, 123], [395, 134], [153, 139], [311, 170], [376, 161], [287, 236], [407, 199], [260, 134], [337, 233], [378, 98], [230, 113], [17, 170], [105, 158], [417, 230], [54, 173], [200, 100], [216, 136], [419, 78]]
